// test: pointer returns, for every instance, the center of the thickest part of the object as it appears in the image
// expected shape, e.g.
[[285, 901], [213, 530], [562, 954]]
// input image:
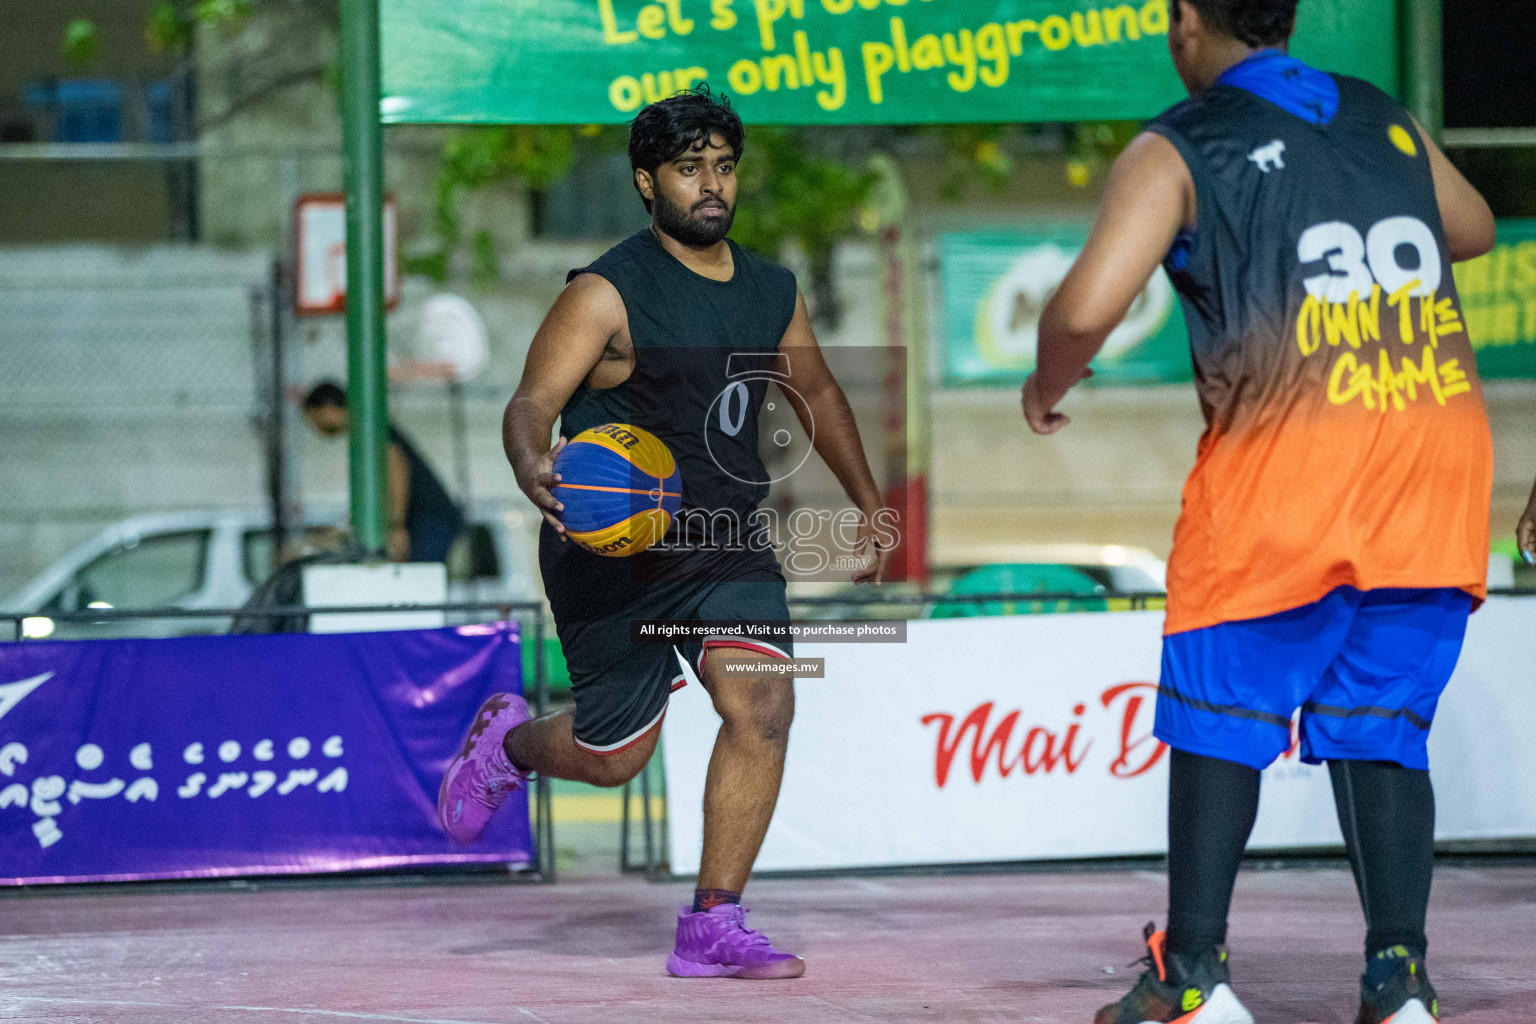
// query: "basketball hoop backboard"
[[320, 254]]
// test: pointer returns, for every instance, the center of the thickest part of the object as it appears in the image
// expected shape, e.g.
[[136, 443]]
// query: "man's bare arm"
[[1148, 198], [828, 418], [1464, 213], [568, 344]]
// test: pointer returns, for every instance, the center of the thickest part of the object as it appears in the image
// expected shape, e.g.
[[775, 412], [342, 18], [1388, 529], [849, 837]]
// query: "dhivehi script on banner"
[[208, 756], [1030, 737], [819, 61], [996, 284]]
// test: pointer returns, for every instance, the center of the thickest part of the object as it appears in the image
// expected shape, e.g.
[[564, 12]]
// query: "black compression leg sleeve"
[[1387, 814], [1211, 807]]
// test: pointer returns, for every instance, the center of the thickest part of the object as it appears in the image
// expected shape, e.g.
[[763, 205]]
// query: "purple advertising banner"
[[243, 755]]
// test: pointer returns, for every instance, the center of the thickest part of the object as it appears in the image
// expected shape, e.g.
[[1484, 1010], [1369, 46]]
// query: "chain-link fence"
[[96, 334], [130, 382]]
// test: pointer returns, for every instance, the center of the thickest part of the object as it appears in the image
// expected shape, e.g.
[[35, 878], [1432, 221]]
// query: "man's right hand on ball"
[[537, 481]]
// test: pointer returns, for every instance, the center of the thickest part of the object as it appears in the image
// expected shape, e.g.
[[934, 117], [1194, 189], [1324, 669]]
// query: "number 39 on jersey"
[[1397, 254]]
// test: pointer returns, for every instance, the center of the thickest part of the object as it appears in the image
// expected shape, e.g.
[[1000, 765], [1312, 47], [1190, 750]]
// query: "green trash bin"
[[556, 672], [1022, 579]]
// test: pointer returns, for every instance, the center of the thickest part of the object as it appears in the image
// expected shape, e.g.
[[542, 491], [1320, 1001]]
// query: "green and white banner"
[[995, 285], [1498, 296], [819, 61]]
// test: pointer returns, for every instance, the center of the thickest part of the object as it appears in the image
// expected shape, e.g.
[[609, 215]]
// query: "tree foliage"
[[265, 64], [476, 158], [790, 191]]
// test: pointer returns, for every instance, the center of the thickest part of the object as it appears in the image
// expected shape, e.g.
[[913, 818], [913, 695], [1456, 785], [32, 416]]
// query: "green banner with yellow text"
[[1498, 298], [819, 61]]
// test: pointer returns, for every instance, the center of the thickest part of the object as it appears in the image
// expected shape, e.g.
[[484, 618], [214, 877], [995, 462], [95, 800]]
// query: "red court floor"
[[982, 948]]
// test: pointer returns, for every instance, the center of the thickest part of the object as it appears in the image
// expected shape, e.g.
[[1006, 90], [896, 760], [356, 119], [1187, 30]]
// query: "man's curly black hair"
[[1253, 22], [665, 130]]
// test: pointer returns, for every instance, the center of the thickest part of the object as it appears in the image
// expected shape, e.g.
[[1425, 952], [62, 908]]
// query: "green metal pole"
[[1423, 73], [363, 157]]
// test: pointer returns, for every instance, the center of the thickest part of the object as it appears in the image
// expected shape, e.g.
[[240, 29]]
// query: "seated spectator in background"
[[423, 520]]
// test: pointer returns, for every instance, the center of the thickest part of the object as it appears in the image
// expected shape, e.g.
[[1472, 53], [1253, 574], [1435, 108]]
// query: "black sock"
[[1211, 807], [705, 899], [1387, 814]]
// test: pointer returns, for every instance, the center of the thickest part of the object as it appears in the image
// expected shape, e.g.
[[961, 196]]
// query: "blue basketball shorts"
[[1366, 668]]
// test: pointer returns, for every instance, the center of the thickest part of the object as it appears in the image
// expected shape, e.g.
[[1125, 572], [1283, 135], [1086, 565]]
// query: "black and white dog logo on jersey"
[[1270, 156]]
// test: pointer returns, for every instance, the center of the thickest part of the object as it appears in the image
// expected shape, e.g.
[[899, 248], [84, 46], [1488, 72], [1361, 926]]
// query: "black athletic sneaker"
[[1403, 996], [1178, 989]]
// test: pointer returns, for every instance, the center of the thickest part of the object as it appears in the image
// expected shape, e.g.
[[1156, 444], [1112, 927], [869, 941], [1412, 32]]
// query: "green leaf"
[[165, 31], [486, 269], [81, 42], [221, 12], [431, 264]]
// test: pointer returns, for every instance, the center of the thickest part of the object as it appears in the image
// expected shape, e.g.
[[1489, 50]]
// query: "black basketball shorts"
[[621, 687]]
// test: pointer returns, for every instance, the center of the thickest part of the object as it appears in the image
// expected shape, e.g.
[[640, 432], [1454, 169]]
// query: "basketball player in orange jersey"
[[1334, 533], [664, 332]]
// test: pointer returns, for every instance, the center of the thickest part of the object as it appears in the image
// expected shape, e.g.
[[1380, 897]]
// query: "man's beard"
[[688, 229]]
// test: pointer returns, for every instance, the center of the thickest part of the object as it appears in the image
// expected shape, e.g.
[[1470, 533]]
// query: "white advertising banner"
[[1030, 737]]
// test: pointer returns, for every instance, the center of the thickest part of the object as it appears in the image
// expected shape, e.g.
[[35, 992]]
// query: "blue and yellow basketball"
[[620, 486]]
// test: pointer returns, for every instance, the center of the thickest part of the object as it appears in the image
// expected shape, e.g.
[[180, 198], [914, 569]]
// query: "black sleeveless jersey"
[[430, 514], [1346, 442], [705, 353]]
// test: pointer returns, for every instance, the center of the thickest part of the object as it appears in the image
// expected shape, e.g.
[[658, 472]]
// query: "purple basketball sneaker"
[[480, 777], [716, 943]]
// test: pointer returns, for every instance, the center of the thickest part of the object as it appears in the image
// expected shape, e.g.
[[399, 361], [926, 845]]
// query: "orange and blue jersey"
[[1346, 442]]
